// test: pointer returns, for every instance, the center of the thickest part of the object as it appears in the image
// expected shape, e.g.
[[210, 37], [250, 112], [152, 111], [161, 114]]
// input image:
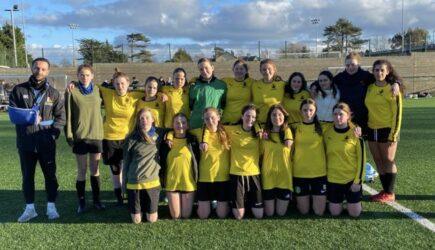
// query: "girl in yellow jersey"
[[276, 171], [141, 167], [178, 97], [267, 91], [295, 92], [345, 163], [384, 121], [152, 101], [245, 183], [180, 168], [238, 92], [120, 107], [309, 161], [214, 165]]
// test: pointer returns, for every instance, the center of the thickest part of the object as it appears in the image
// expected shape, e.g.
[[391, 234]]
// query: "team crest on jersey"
[[381, 92], [157, 105], [302, 98], [273, 86], [298, 190]]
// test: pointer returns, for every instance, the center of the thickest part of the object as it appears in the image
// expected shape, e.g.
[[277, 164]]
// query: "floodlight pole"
[[14, 8], [403, 33], [315, 21], [73, 26]]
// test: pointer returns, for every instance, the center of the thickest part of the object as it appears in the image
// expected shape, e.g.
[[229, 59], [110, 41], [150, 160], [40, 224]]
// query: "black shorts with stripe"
[[378, 135], [277, 193]]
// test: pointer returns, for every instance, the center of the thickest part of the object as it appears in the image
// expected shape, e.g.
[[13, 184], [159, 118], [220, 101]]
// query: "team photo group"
[[214, 147]]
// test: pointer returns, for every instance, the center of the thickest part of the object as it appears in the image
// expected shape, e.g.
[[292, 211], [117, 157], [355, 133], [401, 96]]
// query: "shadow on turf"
[[415, 197], [13, 204]]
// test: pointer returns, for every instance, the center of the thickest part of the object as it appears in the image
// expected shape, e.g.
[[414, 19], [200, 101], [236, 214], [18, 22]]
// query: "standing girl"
[[276, 171], [206, 91], [245, 186], [326, 97], [84, 132], [384, 121], [141, 167], [180, 171], [345, 163], [309, 161], [178, 97], [238, 92], [267, 91], [295, 92], [120, 107], [214, 165], [151, 101]]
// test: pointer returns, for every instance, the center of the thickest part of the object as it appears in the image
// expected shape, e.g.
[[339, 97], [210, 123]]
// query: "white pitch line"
[[404, 210]]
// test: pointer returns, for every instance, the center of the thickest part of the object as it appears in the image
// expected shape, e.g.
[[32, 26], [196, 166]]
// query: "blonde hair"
[[353, 55], [222, 134], [345, 107], [139, 130]]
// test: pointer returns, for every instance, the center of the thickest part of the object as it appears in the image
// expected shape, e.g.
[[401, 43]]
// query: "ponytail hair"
[[317, 125], [222, 134], [345, 107]]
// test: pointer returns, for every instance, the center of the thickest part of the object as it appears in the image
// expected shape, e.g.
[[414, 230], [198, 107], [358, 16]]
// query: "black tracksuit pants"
[[47, 160]]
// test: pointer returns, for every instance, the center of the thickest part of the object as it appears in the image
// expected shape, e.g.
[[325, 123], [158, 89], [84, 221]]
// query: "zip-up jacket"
[[38, 138]]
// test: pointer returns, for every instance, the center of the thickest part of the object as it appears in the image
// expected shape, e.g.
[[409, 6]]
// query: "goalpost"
[[332, 54]]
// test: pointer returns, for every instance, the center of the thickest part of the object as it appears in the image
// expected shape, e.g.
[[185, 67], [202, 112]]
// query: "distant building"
[[250, 58], [224, 57]]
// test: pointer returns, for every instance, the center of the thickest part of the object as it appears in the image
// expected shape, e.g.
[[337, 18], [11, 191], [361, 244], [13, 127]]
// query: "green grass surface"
[[379, 226]]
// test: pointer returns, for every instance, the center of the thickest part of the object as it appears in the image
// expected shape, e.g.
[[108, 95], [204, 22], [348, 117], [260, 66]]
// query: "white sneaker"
[[27, 215], [52, 213]]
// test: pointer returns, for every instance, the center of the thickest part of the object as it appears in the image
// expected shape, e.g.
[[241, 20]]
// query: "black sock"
[[95, 185], [382, 179], [80, 187], [390, 180], [118, 194]]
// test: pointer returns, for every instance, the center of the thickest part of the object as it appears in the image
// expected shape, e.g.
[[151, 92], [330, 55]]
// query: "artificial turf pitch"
[[379, 225]]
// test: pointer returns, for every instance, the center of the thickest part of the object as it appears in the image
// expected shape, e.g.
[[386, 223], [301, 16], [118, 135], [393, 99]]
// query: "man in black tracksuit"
[[37, 142]]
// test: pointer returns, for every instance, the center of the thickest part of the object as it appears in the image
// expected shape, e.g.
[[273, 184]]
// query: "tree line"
[[341, 36]]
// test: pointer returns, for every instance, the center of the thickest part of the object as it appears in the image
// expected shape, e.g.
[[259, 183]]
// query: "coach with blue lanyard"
[[38, 113]]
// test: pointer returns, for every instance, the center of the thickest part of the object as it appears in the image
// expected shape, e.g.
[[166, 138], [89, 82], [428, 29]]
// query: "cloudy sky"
[[198, 24]]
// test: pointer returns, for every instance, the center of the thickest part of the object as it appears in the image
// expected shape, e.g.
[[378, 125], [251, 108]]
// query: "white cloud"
[[249, 21]]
